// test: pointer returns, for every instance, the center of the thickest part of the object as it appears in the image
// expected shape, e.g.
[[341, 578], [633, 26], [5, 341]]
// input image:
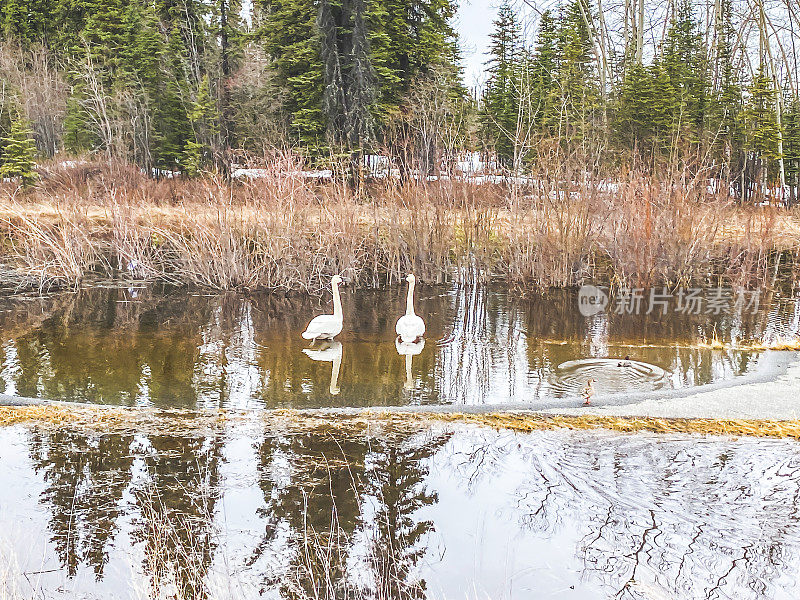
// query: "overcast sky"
[[474, 23]]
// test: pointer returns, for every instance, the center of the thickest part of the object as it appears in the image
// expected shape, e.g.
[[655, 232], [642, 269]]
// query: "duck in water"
[[626, 362], [587, 392]]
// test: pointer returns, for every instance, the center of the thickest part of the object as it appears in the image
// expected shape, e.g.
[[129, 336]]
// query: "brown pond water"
[[152, 346], [442, 513]]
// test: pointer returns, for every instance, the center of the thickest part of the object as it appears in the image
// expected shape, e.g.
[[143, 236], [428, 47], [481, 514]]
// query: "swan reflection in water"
[[409, 350], [329, 351]]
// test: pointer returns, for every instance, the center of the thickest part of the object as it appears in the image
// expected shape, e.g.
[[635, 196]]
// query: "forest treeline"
[[703, 87]]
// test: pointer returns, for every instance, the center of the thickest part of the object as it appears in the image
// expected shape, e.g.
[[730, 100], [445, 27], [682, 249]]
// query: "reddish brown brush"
[[287, 231]]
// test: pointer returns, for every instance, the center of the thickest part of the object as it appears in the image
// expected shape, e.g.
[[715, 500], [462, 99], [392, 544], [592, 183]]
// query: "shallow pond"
[[163, 347], [455, 512], [256, 509]]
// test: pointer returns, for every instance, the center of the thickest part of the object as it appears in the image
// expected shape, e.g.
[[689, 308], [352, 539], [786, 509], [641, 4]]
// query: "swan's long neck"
[[337, 364], [409, 384], [410, 298], [337, 301]]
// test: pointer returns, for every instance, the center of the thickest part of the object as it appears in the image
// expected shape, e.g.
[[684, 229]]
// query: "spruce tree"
[[644, 112], [760, 125], [154, 64], [332, 53], [633, 125], [387, 78], [791, 147], [19, 152], [97, 53], [104, 38], [203, 115], [14, 20], [291, 37], [501, 100], [577, 76], [685, 66], [362, 85], [727, 97], [759, 118], [662, 108], [544, 70], [172, 114], [28, 22]]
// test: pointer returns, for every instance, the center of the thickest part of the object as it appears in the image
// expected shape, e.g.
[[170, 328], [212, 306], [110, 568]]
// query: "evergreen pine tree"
[[362, 82], [387, 78], [334, 103], [203, 115], [104, 38], [19, 152], [759, 118], [791, 147], [684, 63], [760, 125], [14, 20], [634, 108], [291, 37], [154, 64], [501, 99], [172, 116], [28, 22], [644, 111], [724, 110], [577, 77], [97, 50], [544, 69]]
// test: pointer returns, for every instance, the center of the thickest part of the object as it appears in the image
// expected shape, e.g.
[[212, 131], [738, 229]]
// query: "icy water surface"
[[162, 347], [436, 513]]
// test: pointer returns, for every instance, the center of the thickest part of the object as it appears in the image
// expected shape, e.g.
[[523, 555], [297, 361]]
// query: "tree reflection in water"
[[347, 506], [176, 498], [397, 489], [86, 476], [675, 515], [401, 513], [173, 482]]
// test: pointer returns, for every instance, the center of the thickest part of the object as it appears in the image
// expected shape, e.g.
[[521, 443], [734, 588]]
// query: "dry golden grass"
[[529, 422], [780, 345], [109, 419], [125, 420], [285, 232]]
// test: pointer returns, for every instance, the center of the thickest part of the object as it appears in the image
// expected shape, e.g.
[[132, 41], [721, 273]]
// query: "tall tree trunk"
[[224, 95]]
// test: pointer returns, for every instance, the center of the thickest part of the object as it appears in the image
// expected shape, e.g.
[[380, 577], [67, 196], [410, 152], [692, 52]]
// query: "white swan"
[[409, 350], [327, 326], [410, 327], [331, 352]]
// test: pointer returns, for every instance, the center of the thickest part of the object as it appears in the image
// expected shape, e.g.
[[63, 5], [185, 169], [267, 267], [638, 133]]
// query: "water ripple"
[[611, 375]]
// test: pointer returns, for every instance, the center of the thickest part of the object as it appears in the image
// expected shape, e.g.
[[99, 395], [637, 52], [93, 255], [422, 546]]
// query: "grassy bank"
[[127, 420], [286, 232]]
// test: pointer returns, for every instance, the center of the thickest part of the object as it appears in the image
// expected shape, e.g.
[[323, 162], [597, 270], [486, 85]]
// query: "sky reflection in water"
[[443, 513]]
